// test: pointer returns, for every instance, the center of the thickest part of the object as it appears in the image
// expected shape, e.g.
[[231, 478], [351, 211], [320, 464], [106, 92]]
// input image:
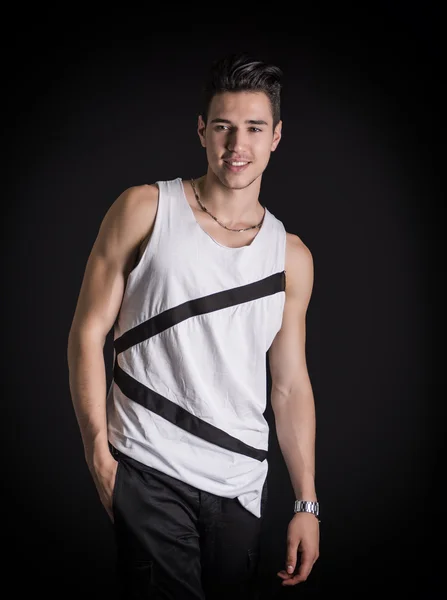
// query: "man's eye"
[[220, 127]]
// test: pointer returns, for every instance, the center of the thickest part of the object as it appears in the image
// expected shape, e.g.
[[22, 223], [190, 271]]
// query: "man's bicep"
[[287, 354], [109, 263], [287, 360], [100, 296]]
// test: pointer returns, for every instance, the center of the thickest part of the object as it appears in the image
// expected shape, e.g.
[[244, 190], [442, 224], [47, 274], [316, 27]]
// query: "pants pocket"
[[264, 497], [116, 486]]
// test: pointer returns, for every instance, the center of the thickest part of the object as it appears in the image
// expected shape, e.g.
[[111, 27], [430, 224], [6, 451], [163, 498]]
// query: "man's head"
[[240, 119]]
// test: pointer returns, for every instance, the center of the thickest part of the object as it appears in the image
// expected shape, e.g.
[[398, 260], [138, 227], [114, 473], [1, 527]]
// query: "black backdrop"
[[92, 112]]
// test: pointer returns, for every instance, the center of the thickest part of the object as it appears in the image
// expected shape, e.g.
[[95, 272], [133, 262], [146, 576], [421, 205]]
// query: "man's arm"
[[292, 396], [126, 224]]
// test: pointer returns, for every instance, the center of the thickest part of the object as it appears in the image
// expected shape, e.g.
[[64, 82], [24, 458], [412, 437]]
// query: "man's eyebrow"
[[248, 122]]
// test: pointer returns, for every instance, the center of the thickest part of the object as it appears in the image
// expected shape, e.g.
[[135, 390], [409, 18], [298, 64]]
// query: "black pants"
[[176, 542]]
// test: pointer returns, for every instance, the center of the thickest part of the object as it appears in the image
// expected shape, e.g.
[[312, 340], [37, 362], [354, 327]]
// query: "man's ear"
[[201, 127], [276, 136]]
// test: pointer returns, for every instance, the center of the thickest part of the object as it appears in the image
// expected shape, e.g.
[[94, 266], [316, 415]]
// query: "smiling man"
[[191, 276]]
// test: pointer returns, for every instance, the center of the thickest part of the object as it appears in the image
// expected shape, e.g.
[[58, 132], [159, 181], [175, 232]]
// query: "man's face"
[[239, 129]]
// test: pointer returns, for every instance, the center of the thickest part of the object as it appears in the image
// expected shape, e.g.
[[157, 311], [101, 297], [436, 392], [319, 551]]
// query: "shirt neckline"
[[210, 237]]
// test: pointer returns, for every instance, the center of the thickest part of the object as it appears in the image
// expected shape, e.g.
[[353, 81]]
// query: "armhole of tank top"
[[149, 248], [284, 252]]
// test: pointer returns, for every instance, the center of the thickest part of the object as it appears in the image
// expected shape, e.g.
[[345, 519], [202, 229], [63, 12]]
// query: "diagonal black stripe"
[[199, 306], [177, 415]]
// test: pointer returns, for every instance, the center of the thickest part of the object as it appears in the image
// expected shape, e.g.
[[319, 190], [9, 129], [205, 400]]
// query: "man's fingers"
[[291, 559], [303, 572], [305, 566]]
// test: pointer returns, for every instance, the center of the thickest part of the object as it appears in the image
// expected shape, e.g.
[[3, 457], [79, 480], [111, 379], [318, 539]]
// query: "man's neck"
[[232, 206]]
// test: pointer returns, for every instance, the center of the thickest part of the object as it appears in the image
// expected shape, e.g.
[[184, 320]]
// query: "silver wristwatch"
[[307, 506]]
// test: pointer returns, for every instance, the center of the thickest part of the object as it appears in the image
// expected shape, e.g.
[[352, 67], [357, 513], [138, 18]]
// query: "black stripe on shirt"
[[158, 404], [252, 291]]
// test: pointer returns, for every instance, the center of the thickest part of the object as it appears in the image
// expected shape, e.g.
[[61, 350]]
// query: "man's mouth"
[[235, 166]]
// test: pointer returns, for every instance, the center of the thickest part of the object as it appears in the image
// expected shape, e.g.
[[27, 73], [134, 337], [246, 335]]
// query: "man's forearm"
[[295, 429], [87, 379]]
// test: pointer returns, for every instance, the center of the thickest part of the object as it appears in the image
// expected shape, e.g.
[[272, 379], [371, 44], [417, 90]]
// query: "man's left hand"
[[303, 536]]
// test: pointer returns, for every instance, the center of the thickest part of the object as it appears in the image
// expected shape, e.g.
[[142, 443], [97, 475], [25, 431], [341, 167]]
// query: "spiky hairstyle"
[[239, 72]]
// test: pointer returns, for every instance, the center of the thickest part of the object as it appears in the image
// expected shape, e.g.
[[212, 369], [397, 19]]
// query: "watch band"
[[307, 506]]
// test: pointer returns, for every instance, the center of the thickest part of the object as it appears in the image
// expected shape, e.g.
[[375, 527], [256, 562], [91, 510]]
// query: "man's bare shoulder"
[[134, 210], [145, 195], [128, 221], [299, 262], [296, 251]]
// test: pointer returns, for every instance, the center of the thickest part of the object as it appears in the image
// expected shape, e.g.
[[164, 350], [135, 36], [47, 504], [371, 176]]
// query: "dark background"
[[93, 109]]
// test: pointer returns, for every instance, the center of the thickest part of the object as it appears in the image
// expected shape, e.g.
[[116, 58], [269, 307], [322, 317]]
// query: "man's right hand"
[[104, 474]]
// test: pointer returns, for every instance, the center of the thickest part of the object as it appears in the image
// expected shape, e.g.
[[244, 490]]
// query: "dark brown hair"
[[239, 72]]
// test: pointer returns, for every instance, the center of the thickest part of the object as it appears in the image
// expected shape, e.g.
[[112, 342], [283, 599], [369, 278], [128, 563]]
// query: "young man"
[[192, 277]]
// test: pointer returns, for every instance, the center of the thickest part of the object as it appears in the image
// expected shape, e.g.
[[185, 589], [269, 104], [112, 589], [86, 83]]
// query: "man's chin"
[[236, 181]]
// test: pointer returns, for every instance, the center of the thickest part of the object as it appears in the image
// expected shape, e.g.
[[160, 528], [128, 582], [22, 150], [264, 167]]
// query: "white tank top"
[[189, 380]]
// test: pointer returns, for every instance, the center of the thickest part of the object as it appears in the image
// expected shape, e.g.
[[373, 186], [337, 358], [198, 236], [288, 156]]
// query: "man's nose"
[[236, 141]]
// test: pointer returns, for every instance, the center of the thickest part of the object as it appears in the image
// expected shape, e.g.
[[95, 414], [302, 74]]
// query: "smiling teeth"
[[237, 164]]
